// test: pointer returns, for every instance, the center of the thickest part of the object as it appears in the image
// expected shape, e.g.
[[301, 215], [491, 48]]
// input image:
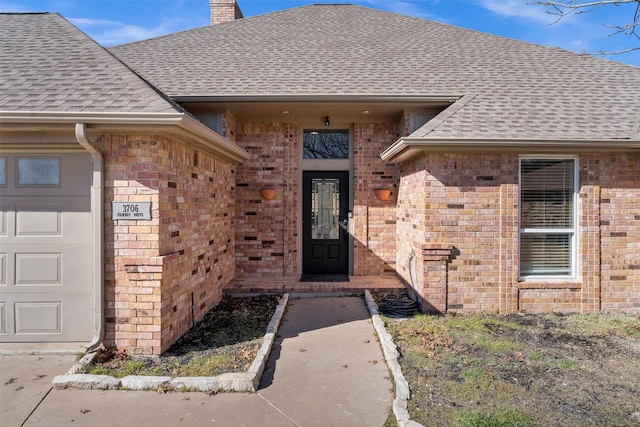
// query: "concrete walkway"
[[326, 369]]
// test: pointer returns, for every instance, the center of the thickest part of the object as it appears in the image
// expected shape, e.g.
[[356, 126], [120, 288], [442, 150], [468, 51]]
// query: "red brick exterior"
[[449, 229], [618, 179], [458, 230], [374, 220], [267, 230], [267, 233], [155, 269]]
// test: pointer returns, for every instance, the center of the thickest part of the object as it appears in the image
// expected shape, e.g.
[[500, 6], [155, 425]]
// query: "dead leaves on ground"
[[427, 340]]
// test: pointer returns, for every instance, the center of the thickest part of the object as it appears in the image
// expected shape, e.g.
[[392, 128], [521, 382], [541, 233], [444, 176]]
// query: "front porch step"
[[356, 284]]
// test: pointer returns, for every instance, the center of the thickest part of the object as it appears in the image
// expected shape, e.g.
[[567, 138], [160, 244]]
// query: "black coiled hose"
[[396, 305]]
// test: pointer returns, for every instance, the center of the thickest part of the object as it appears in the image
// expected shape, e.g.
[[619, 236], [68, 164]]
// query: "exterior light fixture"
[[326, 121]]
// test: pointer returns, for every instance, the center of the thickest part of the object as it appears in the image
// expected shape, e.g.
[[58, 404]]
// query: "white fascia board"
[[178, 125], [406, 148], [435, 99]]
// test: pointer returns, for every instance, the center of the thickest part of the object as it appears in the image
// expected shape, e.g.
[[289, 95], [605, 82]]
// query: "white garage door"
[[46, 267]]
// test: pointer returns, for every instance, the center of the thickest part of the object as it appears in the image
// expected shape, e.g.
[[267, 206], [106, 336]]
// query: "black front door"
[[325, 242]]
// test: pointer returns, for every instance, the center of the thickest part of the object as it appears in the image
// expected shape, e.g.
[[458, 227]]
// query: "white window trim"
[[575, 250]]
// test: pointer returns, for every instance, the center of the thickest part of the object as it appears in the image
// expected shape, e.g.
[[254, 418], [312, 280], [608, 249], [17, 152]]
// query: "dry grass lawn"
[[521, 370]]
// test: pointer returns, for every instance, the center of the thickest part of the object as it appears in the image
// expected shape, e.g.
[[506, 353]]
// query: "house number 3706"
[[136, 211]]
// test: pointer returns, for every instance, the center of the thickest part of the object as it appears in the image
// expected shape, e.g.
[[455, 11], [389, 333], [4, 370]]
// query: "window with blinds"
[[547, 217]]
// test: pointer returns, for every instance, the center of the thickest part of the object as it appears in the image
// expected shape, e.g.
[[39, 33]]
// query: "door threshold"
[[324, 278]]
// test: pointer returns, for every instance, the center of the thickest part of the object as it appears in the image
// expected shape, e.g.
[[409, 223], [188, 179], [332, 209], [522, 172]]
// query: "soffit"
[[345, 109]]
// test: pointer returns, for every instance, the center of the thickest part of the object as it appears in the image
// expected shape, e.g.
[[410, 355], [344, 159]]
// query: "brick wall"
[[153, 268], [468, 204], [266, 234], [461, 200], [410, 223], [561, 300], [267, 230], [374, 220], [619, 180]]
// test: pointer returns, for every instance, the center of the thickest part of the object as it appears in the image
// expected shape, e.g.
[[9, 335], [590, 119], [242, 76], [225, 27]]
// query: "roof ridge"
[[29, 13], [243, 19]]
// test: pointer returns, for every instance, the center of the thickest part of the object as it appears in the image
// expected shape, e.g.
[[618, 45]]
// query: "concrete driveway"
[[26, 381]]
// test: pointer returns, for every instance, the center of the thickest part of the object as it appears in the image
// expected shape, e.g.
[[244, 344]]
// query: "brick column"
[[589, 247], [509, 251], [435, 263]]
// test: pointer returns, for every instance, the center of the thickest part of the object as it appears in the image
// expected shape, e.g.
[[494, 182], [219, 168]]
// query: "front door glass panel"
[[325, 209]]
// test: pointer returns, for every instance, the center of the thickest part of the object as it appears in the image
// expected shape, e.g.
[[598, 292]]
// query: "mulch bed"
[[226, 340]]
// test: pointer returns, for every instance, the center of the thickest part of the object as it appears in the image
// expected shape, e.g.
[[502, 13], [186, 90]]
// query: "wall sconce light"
[[326, 121], [383, 194], [268, 193]]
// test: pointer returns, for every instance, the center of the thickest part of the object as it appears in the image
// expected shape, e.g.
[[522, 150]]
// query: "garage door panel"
[[47, 317], [39, 221], [38, 317], [3, 222], [47, 220], [3, 269], [38, 269], [3, 318], [47, 284], [74, 172], [41, 269]]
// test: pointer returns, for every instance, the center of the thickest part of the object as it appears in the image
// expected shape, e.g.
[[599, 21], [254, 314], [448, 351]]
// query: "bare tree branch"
[[617, 52], [564, 8]]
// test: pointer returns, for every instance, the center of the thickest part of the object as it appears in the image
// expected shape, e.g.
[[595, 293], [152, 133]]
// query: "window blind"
[[547, 216]]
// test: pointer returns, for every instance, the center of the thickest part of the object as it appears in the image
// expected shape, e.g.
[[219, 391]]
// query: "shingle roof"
[[47, 64], [519, 90]]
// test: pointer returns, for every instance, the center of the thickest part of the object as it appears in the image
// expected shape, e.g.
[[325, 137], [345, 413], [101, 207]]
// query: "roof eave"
[[177, 125], [408, 147], [435, 99]]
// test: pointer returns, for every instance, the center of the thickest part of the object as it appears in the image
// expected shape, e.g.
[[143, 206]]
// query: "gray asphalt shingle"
[[521, 90], [47, 64]]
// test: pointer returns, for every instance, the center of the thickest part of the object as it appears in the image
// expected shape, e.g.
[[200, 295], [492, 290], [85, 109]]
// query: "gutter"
[[408, 147], [434, 99], [177, 125], [97, 217]]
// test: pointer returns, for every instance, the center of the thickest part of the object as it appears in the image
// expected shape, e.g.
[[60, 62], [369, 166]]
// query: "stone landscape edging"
[[229, 382], [391, 354], [244, 381]]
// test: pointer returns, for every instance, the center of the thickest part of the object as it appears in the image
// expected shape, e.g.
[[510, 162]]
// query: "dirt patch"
[[521, 370], [227, 339]]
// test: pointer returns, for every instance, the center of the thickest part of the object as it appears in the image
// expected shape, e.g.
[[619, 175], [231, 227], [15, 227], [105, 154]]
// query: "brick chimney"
[[224, 10]]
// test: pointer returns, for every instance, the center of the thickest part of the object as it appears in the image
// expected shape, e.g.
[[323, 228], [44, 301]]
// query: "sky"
[[114, 22]]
